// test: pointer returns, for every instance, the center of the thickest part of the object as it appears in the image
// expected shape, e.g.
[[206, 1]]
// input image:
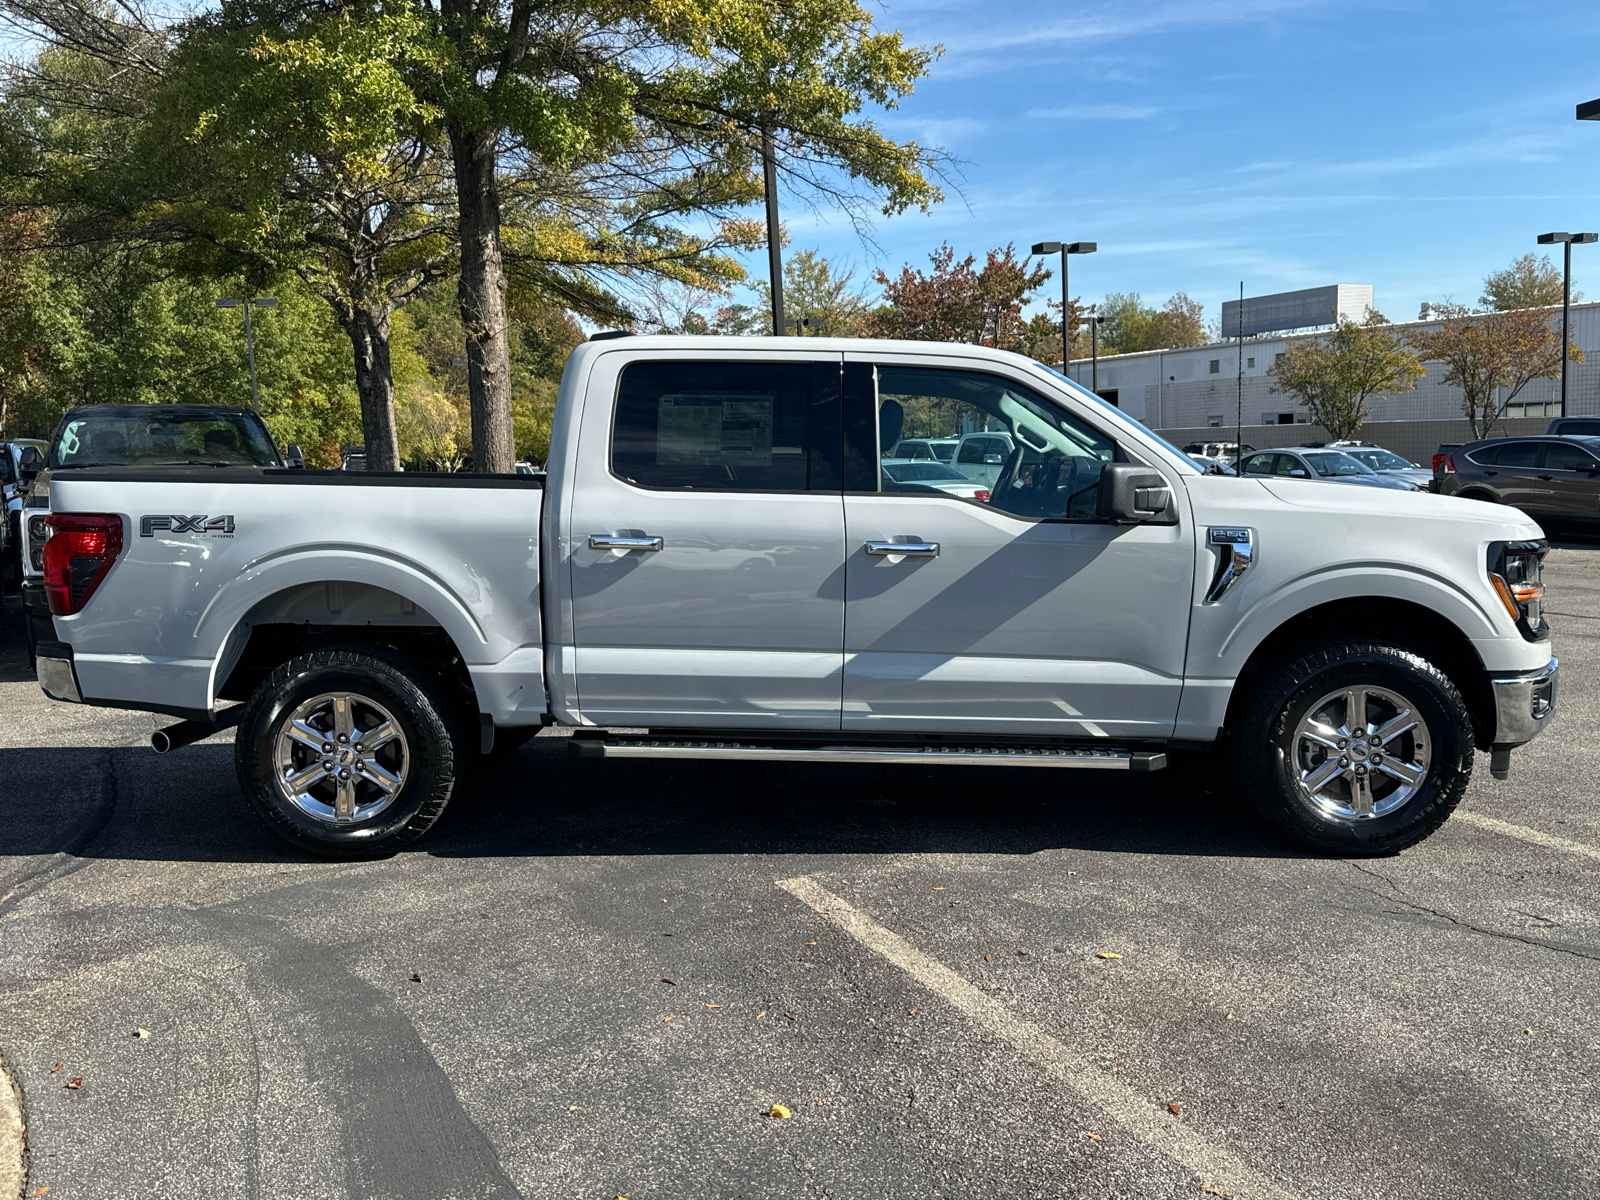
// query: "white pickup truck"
[[716, 558]]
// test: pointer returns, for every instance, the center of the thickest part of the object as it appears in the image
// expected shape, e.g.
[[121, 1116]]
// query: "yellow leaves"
[[1107, 954], [780, 1112]]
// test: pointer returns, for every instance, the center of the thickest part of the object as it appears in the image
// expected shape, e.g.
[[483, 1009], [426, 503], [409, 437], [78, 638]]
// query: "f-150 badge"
[[149, 526]]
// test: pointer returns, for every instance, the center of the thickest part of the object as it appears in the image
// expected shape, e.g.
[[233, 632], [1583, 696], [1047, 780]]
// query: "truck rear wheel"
[[1356, 748], [348, 752]]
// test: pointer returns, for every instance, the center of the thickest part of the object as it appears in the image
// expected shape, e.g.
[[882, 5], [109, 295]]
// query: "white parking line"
[[1138, 1114], [1523, 833]]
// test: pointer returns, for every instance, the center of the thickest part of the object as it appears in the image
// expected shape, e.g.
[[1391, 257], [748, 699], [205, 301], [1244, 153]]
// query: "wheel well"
[[1399, 622], [312, 616]]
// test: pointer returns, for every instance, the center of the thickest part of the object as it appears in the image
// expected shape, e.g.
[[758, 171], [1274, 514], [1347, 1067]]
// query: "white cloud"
[[1096, 112]]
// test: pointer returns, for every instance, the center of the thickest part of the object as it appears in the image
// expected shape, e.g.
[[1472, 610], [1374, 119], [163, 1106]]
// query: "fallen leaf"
[[791, 1016], [55, 1068], [761, 1014], [669, 981], [75, 1082], [1174, 1109], [665, 1019], [938, 889], [1530, 1033], [415, 978], [1212, 1189], [986, 958], [408, 991], [1230, 1016], [40, 1191], [1119, 1062], [779, 1111], [915, 1011], [713, 1006], [1095, 1136], [1108, 954], [811, 943], [141, 1034], [1022, 954]]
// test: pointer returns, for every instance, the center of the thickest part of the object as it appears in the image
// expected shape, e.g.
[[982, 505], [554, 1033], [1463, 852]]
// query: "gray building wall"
[[1176, 389]]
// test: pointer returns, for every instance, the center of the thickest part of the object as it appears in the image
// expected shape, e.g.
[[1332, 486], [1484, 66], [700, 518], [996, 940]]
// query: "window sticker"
[[714, 429]]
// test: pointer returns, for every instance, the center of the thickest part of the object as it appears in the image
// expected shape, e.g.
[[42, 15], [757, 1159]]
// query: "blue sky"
[[1287, 143]]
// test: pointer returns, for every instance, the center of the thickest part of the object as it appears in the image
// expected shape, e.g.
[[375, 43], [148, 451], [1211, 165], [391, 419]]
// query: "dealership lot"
[[908, 960]]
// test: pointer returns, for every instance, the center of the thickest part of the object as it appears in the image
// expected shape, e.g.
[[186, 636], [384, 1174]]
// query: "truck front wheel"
[[1357, 748], [347, 752]]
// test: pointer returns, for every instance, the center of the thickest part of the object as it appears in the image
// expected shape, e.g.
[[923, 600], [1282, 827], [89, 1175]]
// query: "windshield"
[[1379, 460], [1084, 393], [1336, 464], [163, 437], [921, 472]]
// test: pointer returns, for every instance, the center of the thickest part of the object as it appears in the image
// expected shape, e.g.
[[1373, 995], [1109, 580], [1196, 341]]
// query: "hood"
[[1493, 520]]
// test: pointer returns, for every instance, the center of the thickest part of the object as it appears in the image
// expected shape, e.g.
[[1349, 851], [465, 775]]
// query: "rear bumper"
[[57, 676], [36, 610], [1524, 704]]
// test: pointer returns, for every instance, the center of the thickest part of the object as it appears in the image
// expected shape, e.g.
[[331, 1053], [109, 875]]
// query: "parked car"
[[982, 456], [937, 449], [1228, 452], [1387, 462], [13, 492], [1574, 426], [210, 436], [1330, 466], [1443, 452], [914, 475], [1212, 466], [1554, 479], [715, 564]]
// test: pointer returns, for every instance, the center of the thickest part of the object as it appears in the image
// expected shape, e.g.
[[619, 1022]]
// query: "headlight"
[[1516, 572], [37, 533]]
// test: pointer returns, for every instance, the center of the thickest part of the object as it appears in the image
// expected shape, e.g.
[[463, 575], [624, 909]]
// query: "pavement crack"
[[1399, 898]]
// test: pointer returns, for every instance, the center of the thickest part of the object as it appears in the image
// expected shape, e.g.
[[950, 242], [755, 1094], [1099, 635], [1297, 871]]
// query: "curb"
[[13, 1145]]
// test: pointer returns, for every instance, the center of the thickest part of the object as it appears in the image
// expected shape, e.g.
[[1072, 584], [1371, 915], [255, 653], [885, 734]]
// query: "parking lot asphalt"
[[595, 979]]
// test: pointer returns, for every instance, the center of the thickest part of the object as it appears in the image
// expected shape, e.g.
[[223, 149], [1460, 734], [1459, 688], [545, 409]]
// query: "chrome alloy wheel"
[[1361, 753], [341, 758]]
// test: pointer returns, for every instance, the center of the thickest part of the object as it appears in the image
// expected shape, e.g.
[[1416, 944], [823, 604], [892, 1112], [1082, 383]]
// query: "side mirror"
[[994, 460], [30, 464], [1134, 495], [1297, 473], [294, 457]]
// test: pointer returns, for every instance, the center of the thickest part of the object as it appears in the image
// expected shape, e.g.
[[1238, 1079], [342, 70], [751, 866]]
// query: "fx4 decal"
[[175, 524]]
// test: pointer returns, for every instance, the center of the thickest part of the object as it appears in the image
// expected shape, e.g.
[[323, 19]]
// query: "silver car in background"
[[1330, 466]]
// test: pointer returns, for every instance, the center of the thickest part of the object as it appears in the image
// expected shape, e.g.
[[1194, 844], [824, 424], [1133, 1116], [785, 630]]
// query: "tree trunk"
[[482, 296], [369, 334]]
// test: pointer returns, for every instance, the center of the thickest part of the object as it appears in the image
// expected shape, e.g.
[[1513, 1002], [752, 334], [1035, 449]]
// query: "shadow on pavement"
[[130, 803]]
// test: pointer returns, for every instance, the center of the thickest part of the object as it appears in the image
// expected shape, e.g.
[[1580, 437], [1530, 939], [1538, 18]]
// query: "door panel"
[[737, 618], [1569, 475], [1016, 627], [1019, 615]]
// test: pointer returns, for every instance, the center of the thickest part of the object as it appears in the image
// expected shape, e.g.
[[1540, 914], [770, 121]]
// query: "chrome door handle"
[[909, 549], [606, 541]]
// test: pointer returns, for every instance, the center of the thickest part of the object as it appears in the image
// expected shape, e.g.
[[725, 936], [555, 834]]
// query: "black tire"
[[431, 742], [1264, 746]]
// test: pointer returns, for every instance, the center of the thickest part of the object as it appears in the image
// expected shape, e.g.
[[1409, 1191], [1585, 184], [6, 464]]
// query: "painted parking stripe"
[[1523, 833], [1150, 1123]]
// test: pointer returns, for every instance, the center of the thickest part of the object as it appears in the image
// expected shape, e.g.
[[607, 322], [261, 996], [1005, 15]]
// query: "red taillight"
[[1437, 459], [1450, 464], [980, 494], [79, 552]]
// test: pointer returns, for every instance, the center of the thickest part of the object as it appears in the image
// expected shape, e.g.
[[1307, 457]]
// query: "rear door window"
[[1568, 458], [1519, 454], [728, 426]]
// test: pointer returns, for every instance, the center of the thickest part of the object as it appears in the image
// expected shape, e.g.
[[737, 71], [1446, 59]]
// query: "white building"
[[1200, 386]]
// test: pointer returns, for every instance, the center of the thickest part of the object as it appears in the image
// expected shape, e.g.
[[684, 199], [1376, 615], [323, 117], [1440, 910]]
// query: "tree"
[[1491, 357], [1336, 375], [695, 86], [956, 302], [1131, 326], [811, 288], [1528, 282]]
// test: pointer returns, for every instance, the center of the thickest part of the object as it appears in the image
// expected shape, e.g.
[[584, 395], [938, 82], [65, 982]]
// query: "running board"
[[1094, 758]]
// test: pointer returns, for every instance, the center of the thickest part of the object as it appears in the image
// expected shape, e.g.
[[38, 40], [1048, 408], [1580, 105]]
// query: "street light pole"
[[1566, 241], [769, 174], [249, 336], [1065, 248]]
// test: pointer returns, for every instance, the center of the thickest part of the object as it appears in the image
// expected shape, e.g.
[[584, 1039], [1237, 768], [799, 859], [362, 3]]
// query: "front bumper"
[[1524, 704], [57, 675]]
